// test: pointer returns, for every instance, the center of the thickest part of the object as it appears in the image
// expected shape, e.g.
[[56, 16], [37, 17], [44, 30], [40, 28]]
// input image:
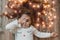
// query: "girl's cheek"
[[27, 23]]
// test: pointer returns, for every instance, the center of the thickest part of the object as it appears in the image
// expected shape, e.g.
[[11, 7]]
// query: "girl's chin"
[[25, 26]]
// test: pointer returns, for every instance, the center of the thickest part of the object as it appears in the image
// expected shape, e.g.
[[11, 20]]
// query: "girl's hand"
[[54, 34], [20, 20]]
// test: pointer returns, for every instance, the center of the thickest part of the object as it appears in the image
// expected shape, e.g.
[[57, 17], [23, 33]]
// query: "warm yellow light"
[[30, 3], [50, 18], [54, 17], [43, 23], [45, 1], [11, 17], [37, 24], [53, 2], [33, 6], [15, 11], [50, 25], [53, 9], [39, 13], [12, 5], [21, 1], [5, 13], [49, 6], [9, 0], [51, 22], [15, 1], [45, 6], [45, 14], [38, 6]]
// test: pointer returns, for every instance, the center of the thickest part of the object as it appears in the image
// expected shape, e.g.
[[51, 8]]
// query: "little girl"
[[24, 30]]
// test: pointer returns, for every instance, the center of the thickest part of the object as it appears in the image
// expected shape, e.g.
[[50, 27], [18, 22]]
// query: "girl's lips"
[[25, 25]]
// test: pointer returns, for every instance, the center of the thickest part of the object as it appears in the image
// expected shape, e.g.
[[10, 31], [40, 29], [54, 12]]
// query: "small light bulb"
[[11, 17], [38, 6], [37, 24], [51, 22], [54, 17], [30, 3], [15, 11], [49, 6], [53, 2], [5, 13], [43, 23], [21, 1], [45, 14], [45, 1], [49, 17], [9, 0], [15, 1], [12, 5], [33, 6], [45, 6], [39, 13], [53, 9], [50, 26]]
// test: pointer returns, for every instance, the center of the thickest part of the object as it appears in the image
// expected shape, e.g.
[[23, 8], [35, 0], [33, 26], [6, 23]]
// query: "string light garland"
[[47, 10]]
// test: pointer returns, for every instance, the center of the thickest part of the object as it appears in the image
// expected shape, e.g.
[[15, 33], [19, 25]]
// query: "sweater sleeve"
[[11, 26], [41, 34]]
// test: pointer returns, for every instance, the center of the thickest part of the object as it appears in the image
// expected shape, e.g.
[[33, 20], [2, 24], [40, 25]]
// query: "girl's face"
[[25, 20]]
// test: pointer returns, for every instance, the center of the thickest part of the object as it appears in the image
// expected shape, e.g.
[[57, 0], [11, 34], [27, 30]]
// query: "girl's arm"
[[12, 26], [41, 34]]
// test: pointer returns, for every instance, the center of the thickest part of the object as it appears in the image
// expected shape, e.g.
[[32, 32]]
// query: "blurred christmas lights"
[[46, 6]]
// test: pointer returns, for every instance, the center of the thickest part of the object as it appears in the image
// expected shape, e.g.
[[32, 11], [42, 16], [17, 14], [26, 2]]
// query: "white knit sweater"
[[25, 33]]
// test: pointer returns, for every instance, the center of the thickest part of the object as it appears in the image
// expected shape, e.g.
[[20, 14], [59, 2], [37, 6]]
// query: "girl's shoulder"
[[15, 21], [32, 27]]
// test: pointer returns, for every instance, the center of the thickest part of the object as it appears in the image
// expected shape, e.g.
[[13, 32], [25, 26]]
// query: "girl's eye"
[[27, 20], [23, 18]]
